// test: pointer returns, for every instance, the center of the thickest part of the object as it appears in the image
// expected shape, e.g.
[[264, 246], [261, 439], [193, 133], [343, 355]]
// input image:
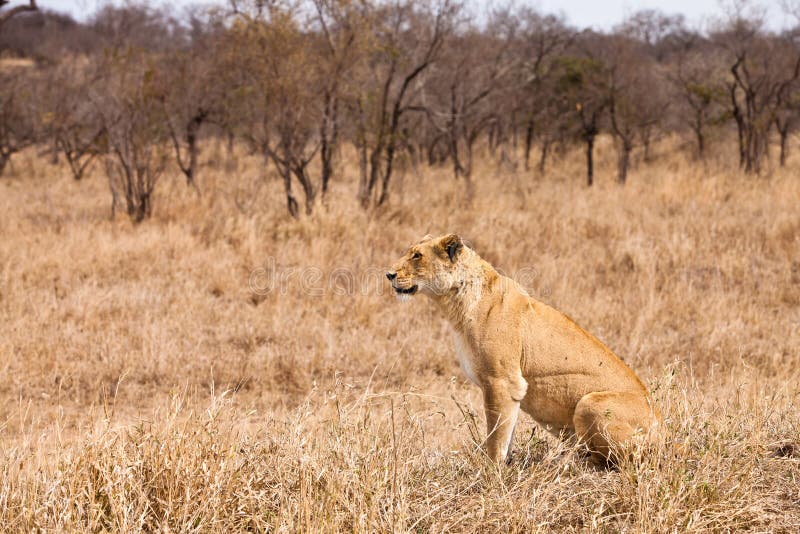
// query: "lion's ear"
[[452, 244]]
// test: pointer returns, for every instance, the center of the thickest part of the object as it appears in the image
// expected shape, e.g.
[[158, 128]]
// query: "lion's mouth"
[[406, 291]]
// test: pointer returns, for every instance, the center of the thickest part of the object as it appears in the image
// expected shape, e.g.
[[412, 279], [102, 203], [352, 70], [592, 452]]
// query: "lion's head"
[[430, 266]]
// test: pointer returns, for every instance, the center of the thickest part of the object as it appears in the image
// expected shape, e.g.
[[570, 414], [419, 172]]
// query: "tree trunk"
[[784, 135], [543, 157], [4, 157], [308, 187], [747, 150], [514, 134], [374, 175], [755, 147], [434, 155], [467, 169], [646, 144], [458, 168], [701, 139], [624, 162], [740, 131], [589, 160], [326, 162], [54, 152], [387, 173], [363, 182], [494, 138], [230, 160], [291, 202], [78, 160], [528, 144], [191, 142], [329, 133], [143, 209], [191, 145]]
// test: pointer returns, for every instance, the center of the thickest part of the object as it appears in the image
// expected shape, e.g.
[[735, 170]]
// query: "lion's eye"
[[416, 256]]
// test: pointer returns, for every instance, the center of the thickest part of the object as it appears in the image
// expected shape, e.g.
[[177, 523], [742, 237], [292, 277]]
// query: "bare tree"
[[636, 101], [787, 105], [541, 40], [276, 62], [787, 117], [339, 22], [464, 90], [762, 67], [402, 81], [71, 121], [127, 99], [698, 80], [405, 40], [139, 25], [16, 10], [582, 87], [654, 29], [189, 97], [18, 123]]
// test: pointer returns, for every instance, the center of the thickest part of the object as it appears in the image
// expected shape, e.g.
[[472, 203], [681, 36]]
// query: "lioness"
[[521, 352]]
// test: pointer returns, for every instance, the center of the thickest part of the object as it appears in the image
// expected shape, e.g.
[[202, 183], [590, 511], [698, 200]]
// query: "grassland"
[[155, 378]]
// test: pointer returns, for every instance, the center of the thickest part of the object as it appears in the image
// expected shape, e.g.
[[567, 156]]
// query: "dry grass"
[[11, 63], [144, 386]]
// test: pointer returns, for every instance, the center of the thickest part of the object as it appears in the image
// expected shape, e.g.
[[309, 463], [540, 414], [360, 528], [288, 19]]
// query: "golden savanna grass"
[[145, 384]]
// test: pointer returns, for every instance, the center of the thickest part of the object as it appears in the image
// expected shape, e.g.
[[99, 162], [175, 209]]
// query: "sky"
[[599, 14], [604, 14]]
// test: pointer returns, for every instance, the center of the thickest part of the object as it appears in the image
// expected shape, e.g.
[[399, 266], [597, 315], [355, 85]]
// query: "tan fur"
[[523, 353]]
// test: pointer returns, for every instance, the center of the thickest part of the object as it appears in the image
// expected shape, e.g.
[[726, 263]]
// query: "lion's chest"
[[466, 357]]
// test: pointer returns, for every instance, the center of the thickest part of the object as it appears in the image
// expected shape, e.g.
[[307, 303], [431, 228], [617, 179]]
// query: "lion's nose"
[[391, 276]]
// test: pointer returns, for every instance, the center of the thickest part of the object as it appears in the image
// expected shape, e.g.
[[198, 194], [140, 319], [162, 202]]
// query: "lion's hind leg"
[[605, 421]]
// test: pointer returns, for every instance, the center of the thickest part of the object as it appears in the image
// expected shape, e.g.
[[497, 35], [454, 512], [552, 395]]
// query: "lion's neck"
[[461, 304]]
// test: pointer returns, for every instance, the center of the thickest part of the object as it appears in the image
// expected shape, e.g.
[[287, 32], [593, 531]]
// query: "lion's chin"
[[406, 290], [404, 294]]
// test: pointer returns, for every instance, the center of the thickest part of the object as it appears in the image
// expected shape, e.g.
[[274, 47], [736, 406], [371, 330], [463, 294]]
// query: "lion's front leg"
[[501, 418]]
